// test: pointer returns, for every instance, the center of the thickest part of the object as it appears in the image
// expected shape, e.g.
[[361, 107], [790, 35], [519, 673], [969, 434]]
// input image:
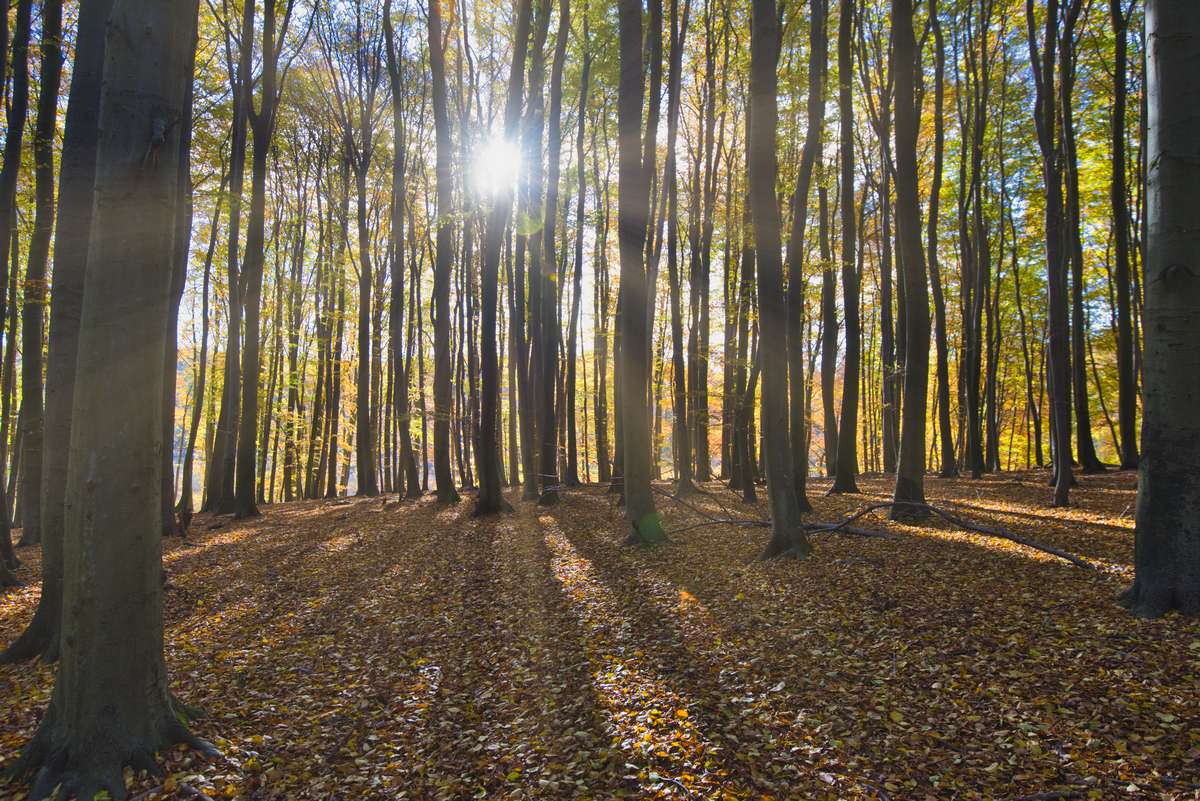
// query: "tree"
[[442, 397], [787, 535], [909, 496], [262, 130], [949, 459], [1043, 58], [818, 56], [681, 436], [400, 381], [111, 705], [633, 193], [1167, 553], [846, 467], [33, 317], [490, 499], [1126, 376]]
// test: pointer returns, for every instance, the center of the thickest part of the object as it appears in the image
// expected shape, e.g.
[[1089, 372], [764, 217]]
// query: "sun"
[[495, 167]]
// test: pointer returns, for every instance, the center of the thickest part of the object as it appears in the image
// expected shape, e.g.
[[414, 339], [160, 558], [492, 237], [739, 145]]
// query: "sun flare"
[[495, 167]]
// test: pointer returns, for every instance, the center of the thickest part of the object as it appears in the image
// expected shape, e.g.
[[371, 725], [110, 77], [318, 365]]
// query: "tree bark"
[[111, 705], [787, 535], [1126, 377], [442, 390], [910, 471], [1167, 552], [847, 453], [632, 218]]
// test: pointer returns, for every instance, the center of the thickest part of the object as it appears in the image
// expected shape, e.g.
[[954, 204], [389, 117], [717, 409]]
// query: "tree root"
[[85, 764], [8, 578]]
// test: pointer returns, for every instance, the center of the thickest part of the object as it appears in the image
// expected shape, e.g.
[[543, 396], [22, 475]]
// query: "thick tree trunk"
[[787, 535], [632, 219], [77, 177], [1168, 532], [910, 471], [111, 705]]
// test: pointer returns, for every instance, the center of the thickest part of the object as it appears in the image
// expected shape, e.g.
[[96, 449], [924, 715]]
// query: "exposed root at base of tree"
[[83, 766], [1154, 602]]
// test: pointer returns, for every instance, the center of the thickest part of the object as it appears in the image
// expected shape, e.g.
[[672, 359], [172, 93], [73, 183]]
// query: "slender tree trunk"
[[442, 390], [1059, 336], [33, 312], [1126, 377], [77, 177], [949, 461], [847, 454], [798, 420]]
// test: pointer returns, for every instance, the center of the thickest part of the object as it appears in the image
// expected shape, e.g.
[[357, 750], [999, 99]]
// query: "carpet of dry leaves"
[[379, 649]]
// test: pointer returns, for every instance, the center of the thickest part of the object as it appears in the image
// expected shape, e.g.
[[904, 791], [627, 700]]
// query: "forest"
[[560, 399]]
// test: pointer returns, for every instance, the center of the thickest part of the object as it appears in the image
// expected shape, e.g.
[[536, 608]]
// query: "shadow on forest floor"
[[383, 649]]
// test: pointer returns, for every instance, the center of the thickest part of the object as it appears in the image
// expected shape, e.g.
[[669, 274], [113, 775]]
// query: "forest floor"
[[379, 649]]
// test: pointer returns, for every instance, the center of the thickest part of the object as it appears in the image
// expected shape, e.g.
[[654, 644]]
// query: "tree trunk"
[[818, 57], [633, 190], [33, 312], [442, 390], [787, 535], [1167, 554], [77, 177], [111, 705], [847, 454], [1126, 377], [910, 472], [949, 461]]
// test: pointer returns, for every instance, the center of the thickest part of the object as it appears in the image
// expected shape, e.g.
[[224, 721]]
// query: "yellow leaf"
[[681, 713]]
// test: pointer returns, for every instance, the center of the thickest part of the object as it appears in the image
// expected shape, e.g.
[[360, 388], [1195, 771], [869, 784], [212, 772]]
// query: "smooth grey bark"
[[1126, 342], [76, 179], [1043, 57], [111, 705], [633, 196], [846, 468], [787, 535], [400, 382], [33, 310], [818, 56], [1167, 552], [948, 458], [442, 397], [909, 496]]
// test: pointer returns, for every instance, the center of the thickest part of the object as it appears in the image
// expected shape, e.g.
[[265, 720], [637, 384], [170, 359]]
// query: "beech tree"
[[1167, 553], [112, 706], [786, 534], [632, 218]]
